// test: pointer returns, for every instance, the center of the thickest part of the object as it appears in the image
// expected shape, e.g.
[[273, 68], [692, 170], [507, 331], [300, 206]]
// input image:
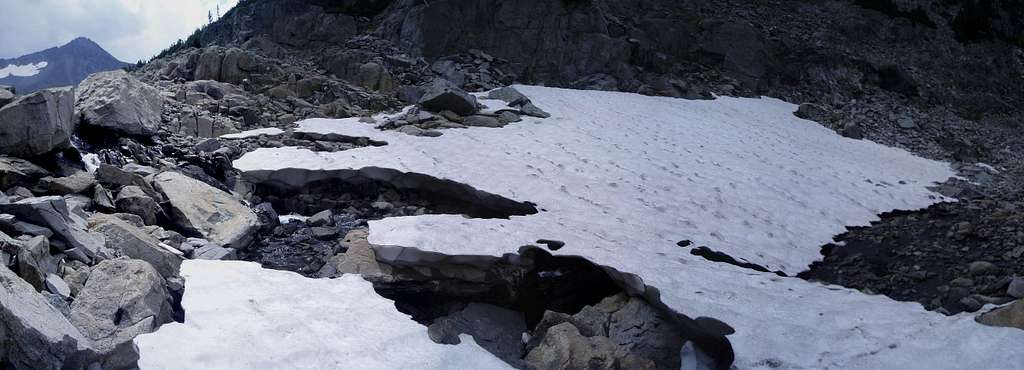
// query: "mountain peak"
[[83, 41]]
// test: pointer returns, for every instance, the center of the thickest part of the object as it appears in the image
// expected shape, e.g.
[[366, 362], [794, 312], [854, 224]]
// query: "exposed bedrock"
[[336, 189]]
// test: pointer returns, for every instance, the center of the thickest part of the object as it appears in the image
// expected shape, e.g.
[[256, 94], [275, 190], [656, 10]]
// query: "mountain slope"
[[58, 66]]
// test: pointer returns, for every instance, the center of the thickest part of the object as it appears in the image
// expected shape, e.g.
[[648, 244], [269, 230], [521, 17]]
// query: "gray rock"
[[17, 171], [324, 233], [204, 210], [115, 177], [57, 286], [52, 212], [906, 122], [212, 251], [563, 348], [359, 258], [119, 102], [506, 117], [852, 130], [482, 121], [1011, 316], [509, 95], [133, 200], [35, 262], [33, 334], [80, 182], [11, 224], [1016, 287], [982, 268], [6, 96], [441, 96], [208, 66], [131, 241], [102, 198], [122, 299], [322, 218], [37, 123], [497, 329], [532, 110], [208, 145]]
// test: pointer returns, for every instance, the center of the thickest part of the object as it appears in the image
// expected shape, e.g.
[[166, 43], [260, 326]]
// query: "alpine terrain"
[[530, 184]]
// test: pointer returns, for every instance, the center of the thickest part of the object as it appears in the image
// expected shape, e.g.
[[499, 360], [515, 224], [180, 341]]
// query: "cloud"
[[129, 29]]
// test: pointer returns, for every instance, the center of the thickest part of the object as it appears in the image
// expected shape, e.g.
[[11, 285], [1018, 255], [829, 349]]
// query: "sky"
[[131, 30]]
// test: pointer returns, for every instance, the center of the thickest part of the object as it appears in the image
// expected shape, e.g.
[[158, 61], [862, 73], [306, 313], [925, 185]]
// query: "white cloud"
[[129, 29]]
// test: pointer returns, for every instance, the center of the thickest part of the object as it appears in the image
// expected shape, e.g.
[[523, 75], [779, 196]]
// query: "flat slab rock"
[[241, 316], [622, 175], [208, 211]]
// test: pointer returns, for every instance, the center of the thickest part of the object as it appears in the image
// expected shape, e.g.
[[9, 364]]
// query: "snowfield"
[[27, 70], [241, 316], [621, 178], [270, 131]]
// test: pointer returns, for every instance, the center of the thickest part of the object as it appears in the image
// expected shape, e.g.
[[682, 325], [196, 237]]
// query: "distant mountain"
[[59, 66]]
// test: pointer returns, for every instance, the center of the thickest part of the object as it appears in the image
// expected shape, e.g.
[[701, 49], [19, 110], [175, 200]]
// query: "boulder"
[[37, 123], [509, 95], [102, 198], [80, 182], [11, 224], [212, 251], [481, 121], [208, 66], [19, 172], [126, 239], [52, 212], [58, 286], [119, 102], [532, 110], [203, 210], [441, 96], [1011, 315], [35, 261], [131, 199], [114, 177], [359, 258], [122, 299], [506, 117], [33, 334]]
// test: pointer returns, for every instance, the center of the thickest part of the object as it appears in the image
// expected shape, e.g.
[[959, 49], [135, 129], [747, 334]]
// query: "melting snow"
[[241, 316], [271, 131], [26, 70], [623, 177]]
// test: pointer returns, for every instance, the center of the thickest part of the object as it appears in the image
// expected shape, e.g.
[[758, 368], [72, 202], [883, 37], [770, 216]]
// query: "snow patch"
[[241, 316], [26, 70], [621, 178], [270, 131]]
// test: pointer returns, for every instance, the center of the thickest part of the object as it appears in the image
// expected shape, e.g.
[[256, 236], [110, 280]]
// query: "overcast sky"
[[129, 29]]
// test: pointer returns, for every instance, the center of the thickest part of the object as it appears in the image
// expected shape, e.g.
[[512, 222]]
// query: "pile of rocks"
[[445, 106]]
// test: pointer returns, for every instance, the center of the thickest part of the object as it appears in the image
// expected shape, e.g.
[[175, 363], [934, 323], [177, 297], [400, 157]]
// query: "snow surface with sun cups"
[[623, 177]]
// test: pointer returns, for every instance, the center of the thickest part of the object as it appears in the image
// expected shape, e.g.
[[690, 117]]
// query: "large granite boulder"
[[33, 334], [37, 123], [203, 210], [118, 102], [122, 299], [126, 239]]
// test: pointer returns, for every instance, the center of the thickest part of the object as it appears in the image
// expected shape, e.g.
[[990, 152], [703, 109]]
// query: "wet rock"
[[441, 96], [19, 172], [37, 123], [53, 213], [131, 241], [122, 299], [1006, 316], [119, 102], [203, 210], [133, 200], [36, 335]]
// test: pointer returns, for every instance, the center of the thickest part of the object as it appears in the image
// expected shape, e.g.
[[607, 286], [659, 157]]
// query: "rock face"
[[34, 335], [133, 242], [37, 123], [53, 213], [203, 210], [122, 299], [118, 102]]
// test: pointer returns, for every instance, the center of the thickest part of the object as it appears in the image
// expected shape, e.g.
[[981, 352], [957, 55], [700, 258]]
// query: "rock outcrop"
[[119, 102], [52, 212], [37, 123]]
